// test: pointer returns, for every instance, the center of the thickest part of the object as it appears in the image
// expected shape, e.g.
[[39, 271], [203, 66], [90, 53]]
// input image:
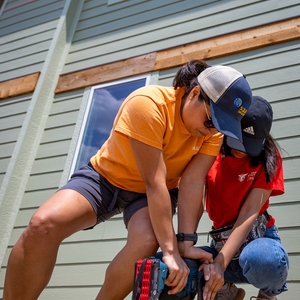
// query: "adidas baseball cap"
[[230, 97], [256, 126]]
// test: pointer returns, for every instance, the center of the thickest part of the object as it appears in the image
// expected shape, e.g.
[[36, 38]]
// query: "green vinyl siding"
[[26, 32], [110, 33], [12, 114]]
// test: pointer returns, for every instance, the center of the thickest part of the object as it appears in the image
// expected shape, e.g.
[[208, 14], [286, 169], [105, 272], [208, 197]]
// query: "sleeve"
[[277, 182], [212, 144], [142, 119]]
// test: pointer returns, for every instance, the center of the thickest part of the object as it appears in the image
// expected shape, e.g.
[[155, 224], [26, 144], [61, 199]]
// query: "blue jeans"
[[263, 263]]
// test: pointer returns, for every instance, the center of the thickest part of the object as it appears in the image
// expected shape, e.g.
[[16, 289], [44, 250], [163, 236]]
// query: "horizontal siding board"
[[33, 199], [288, 108], [291, 294], [4, 161], [58, 148], [285, 128], [97, 251], [66, 105], [79, 275], [12, 122], [6, 151], [58, 134], [292, 167], [283, 91], [291, 192], [289, 218], [274, 77], [71, 293], [48, 165], [60, 120], [9, 135], [14, 106], [25, 70], [288, 146], [290, 239], [43, 181]]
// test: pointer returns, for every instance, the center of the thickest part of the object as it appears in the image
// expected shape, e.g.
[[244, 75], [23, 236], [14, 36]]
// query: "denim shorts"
[[106, 199]]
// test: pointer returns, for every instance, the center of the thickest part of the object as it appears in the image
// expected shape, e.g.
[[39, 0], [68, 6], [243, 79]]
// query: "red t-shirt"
[[230, 181]]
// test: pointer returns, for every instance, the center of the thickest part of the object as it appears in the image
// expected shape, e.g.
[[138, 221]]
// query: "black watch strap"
[[187, 237]]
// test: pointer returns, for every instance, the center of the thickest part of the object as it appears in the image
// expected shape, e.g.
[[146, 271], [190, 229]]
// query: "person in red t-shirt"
[[238, 188]]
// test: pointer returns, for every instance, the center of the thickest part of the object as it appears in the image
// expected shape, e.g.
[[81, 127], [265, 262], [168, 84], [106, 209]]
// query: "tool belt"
[[221, 235]]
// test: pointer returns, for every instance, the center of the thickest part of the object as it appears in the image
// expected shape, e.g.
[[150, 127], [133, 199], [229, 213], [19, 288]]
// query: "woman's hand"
[[178, 273], [214, 279]]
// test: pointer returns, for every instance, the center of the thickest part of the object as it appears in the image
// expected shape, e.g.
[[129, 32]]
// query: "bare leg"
[[141, 243], [32, 259]]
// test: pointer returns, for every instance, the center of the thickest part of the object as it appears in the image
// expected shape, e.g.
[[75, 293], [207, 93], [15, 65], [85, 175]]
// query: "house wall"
[[101, 34]]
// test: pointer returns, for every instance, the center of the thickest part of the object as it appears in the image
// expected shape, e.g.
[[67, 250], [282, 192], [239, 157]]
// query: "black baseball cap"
[[256, 125]]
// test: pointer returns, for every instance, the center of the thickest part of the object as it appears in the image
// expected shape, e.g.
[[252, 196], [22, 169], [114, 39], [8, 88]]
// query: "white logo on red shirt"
[[242, 177], [250, 176]]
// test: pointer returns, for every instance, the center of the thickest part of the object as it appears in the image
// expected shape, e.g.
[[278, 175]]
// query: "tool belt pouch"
[[221, 235]]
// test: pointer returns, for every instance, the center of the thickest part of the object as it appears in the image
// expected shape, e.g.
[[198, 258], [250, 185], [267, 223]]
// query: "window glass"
[[102, 107]]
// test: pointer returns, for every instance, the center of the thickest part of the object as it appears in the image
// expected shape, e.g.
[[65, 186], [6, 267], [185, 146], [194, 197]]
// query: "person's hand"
[[178, 273], [214, 277], [188, 250]]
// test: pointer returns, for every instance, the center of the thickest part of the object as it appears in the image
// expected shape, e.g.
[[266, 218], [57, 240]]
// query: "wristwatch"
[[187, 237]]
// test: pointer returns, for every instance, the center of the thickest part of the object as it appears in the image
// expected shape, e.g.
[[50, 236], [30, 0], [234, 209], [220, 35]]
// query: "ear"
[[195, 92]]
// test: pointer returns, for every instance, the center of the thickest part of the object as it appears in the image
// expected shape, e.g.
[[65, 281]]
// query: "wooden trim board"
[[228, 44], [232, 43], [18, 86]]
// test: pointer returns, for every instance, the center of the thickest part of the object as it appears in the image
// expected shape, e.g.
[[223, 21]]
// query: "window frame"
[[85, 118]]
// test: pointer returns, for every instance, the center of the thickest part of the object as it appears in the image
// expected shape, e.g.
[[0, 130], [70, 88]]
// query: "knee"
[[41, 226], [149, 243], [264, 258]]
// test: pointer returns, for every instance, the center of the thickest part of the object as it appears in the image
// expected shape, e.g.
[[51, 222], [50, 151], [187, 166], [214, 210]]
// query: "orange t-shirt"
[[150, 115]]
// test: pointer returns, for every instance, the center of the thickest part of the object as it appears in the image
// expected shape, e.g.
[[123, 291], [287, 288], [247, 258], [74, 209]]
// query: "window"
[[103, 104]]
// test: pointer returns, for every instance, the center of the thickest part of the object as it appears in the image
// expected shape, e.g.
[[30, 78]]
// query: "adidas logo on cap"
[[249, 130]]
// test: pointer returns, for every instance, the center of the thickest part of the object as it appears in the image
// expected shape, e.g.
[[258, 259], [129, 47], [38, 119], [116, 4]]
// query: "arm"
[[248, 214], [191, 204], [151, 165]]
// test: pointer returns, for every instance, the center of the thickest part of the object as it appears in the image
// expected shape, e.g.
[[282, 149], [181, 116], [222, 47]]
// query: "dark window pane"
[[103, 108]]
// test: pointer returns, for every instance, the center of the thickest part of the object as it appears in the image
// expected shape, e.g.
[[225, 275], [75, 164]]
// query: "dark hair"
[[268, 157], [187, 75]]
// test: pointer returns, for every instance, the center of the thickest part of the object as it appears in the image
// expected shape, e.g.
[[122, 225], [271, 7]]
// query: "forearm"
[[190, 207], [237, 237], [160, 211]]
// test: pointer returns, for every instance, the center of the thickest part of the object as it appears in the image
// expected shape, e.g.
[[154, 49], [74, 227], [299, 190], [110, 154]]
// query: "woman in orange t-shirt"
[[160, 135]]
